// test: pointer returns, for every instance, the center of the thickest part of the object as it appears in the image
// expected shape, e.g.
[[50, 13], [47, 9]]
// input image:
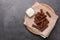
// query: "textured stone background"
[[11, 20]]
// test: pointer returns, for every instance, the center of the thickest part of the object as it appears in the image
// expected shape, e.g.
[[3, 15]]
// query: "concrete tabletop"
[[11, 20]]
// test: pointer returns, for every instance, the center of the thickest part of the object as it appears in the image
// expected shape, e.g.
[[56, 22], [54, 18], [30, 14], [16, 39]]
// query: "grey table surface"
[[11, 20]]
